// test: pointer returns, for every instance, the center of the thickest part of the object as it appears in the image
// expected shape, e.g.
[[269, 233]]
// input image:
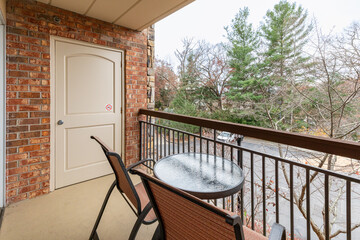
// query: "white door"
[[88, 102]]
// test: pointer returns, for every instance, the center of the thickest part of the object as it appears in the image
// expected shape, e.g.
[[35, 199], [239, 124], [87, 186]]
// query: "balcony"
[[289, 177], [283, 189]]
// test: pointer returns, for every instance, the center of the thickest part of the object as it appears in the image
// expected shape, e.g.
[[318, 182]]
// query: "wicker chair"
[[183, 216], [136, 196]]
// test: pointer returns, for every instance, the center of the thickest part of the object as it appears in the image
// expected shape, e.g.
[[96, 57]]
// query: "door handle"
[[60, 122]]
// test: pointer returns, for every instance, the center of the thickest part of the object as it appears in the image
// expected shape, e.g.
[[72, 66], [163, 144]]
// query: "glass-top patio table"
[[202, 175]]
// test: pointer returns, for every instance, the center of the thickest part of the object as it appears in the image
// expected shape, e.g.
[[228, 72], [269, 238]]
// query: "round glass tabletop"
[[203, 175]]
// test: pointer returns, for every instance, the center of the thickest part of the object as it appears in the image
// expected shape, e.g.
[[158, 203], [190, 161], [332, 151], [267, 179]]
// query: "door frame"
[[2, 110], [53, 40]]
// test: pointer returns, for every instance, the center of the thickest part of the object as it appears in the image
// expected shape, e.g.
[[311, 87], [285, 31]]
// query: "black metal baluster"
[[165, 154], [169, 141], [292, 201], [308, 214], [327, 225], [161, 143], [188, 143], [214, 142], [144, 141], [194, 144], [141, 140], [207, 146], [153, 141], [183, 142], [277, 190], [348, 210], [201, 139], [223, 155], [157, 143], [173, 142], [240, 163], [264, 195], [178, 142], [150, 138], [146, 138], [232, 196], [252, 191]]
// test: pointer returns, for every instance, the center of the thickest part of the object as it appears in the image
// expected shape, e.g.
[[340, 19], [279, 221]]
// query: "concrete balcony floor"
[[70, 212]]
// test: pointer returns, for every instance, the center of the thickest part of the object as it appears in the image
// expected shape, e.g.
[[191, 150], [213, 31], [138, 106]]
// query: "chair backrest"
[[123, 180], [183, 216]]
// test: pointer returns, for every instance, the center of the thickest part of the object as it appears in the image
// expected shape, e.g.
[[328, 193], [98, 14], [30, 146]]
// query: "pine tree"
[[244, 42], [285, 33]]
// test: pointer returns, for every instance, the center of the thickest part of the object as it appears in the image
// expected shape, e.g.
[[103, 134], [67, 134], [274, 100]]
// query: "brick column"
[[150, 65]]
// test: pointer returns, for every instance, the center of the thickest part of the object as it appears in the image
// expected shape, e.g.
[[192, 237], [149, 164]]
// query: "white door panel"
[[83, 68], [88, 102]]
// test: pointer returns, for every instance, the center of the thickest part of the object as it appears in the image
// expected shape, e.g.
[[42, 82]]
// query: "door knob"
[[60, 122]]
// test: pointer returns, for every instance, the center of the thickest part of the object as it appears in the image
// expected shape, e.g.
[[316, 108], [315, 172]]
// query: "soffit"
[[133, 14]]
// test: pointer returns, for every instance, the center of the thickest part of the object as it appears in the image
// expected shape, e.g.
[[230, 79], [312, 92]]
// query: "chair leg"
[[139, 220], [94, 235], [157, 234]]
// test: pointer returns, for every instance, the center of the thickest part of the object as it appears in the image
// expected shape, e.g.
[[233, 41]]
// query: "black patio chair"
[[134, 195], [184, 216]]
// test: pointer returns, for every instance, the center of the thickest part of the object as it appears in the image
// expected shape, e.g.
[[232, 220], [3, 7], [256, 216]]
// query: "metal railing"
[[272, 191]]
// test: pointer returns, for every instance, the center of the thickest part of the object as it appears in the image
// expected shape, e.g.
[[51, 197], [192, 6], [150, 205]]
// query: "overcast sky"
[[205, 19]]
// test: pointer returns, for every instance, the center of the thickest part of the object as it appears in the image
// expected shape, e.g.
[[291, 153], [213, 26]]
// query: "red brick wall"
[[29, 26]]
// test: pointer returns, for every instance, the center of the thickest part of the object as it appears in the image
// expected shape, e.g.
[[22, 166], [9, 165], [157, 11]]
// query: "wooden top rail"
[[321, 144]]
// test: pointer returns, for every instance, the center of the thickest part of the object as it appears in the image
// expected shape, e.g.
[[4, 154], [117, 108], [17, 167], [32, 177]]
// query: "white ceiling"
[[133, 14]]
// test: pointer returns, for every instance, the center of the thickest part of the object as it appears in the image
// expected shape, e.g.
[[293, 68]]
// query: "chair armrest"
[[102, 144], [140, 162], [278, 232]]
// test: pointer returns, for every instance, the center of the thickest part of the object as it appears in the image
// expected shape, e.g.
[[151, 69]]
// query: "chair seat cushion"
[[144, 199]]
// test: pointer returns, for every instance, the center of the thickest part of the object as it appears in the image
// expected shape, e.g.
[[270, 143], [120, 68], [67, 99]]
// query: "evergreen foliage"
[[244, 42], [285, 32]]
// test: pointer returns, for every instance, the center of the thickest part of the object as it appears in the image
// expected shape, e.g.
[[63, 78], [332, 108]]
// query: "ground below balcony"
[[69, 213]]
